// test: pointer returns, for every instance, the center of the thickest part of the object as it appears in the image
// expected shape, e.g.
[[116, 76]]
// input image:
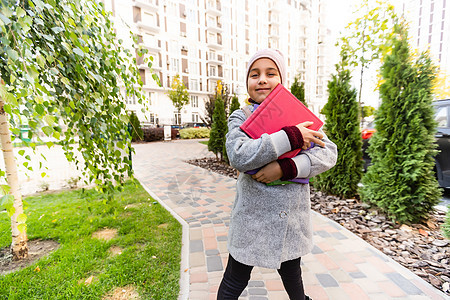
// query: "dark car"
[[442, 117]]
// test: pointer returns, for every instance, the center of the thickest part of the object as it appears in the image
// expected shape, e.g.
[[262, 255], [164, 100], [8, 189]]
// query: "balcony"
[[148, 27], [151, 5], [214, 27], [152, 47], [213, 9], [215, 45], [214, 61]]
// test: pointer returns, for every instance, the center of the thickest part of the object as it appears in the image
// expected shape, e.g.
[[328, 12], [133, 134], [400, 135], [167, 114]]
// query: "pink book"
[[278, 110]]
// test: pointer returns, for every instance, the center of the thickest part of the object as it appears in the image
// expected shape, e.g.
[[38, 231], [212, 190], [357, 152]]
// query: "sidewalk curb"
[[184, 264]]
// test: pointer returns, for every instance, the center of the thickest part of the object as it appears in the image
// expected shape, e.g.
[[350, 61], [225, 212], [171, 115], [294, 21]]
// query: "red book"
[[278, 110]]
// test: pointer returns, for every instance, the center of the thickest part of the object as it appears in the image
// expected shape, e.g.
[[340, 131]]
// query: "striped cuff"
[[288, 167], [295, 136]]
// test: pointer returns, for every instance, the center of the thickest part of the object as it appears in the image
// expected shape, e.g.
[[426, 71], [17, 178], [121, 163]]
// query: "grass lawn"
[[204, 142], [149, 236]]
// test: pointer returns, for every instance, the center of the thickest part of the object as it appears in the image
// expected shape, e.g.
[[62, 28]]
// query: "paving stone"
[[256, 283], [326, 280], [257, 298], [195, 225], [322, 233], [214, 263], [217, 221], [195, 246], [212, 252], [357, 275], [222, 238], [316, 250], [206, 222], [257, 291], [339, 236], [404, 284]]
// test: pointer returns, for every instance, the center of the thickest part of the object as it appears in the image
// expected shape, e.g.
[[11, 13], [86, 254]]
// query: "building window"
[[194, 101], [175, 65], [177, 118], [193, 68], [212, 71], [195, 118], [152, 118], [193, 84]]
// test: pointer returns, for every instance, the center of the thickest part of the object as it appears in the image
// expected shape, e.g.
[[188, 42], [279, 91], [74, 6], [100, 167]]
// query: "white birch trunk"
[[19, 247]]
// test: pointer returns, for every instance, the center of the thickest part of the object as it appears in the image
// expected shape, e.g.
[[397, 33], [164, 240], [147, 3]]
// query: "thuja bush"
[[342, 108], [218, 130], [401, 180], [446, 226]]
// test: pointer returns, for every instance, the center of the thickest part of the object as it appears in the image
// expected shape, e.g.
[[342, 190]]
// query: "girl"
[[271, 225]]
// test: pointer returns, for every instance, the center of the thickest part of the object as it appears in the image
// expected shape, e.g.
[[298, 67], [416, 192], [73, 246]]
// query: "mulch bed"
[[419, 247]]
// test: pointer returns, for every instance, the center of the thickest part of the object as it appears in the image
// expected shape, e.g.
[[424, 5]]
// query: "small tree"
[[401, 180], [61, 64], [221, 91], [298, 90], [235, 105], [218, 130], [136, 130], [342, 108], [178, 93]]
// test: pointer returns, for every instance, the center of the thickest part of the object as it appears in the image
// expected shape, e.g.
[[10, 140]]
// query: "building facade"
[[429, 22], [206, 41]]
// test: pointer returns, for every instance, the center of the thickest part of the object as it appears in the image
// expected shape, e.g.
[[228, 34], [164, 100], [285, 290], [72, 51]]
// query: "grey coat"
[[271, 224]]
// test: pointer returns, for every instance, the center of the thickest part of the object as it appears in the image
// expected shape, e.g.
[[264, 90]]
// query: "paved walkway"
[[341, 265]]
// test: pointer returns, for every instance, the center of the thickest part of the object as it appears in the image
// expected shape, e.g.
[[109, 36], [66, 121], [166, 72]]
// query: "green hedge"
[[446, 225], [194, 133]]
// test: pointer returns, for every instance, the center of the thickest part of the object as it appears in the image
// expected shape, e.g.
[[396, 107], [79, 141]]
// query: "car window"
[[441, 116]]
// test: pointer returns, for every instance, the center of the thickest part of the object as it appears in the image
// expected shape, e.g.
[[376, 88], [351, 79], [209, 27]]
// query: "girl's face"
[[262, 79]]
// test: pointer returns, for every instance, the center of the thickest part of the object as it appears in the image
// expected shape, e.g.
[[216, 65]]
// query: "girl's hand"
[[310, 135], [269, 173]]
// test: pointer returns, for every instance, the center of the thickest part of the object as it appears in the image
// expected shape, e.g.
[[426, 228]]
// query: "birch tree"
[[61, 66]]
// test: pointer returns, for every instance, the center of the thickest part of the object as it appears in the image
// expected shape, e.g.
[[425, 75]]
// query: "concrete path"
[[341, 265]]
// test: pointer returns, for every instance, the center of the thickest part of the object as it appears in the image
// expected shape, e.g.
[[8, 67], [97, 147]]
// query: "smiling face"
[[262, 79]]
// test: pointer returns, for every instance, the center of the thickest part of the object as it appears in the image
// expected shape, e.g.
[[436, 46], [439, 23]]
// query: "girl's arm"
[[245, 153]]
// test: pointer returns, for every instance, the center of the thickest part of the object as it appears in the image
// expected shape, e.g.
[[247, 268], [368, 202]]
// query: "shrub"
[[218, 130], [136, 130], [342, 108], [194, 133], [401, 180]]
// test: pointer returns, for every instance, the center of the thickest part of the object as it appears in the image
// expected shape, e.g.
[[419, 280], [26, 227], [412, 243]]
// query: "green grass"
[[70, 218], [204, 142]]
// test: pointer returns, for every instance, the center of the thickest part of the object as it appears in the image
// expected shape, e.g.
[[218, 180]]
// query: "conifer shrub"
[[136, 130], [298, 90], [401, 180], [342, 127], [235, 105], [218, 130], [194, 133]]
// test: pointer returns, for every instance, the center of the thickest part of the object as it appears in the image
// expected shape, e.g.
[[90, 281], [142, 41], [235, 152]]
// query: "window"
[[212, 71], [175, 64], [177, 118], [194, 101], [193, 85], [441, 116], [195, 118], [152, 118], [193, 68]]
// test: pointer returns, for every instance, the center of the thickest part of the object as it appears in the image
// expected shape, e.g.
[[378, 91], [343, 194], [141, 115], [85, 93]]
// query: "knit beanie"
[[276, 56]]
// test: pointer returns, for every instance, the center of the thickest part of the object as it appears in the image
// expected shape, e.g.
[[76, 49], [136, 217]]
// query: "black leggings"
[[237, 275]]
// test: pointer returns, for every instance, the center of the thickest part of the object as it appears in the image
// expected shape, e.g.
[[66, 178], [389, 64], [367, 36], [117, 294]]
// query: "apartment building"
[[206, 41], [429, 22]]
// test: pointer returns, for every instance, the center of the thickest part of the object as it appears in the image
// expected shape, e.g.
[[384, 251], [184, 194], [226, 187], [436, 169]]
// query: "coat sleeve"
[[316, 160], [245, 153]]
